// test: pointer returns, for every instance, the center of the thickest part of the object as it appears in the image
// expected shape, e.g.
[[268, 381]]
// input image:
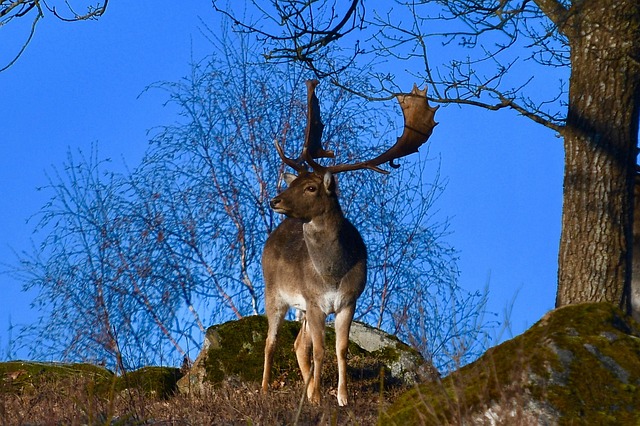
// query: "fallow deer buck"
[[315, 260]]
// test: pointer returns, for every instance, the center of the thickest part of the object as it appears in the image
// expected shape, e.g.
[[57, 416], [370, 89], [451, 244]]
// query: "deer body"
[[314, 261]]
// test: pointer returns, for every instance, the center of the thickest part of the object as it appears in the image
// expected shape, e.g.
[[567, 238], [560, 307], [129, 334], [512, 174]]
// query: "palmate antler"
[[418, 126]]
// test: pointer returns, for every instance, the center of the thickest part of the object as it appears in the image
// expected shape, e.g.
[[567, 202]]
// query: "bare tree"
[[35, 10], [498, 54], [147, 258], [93, 297], [233, 107]]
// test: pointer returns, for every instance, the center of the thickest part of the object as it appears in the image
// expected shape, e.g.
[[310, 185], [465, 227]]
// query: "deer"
[[316, 260]]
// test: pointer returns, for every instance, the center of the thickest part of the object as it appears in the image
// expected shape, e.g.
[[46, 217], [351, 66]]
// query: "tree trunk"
[[600, 152], [634, 296]]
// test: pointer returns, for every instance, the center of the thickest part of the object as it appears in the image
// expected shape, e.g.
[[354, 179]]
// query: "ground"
[[578, 365]]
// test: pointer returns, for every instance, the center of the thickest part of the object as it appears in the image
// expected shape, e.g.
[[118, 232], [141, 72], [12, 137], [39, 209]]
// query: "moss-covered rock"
[[579, 364], [405, 364], [235, 351], [25, 376], [153, 381]]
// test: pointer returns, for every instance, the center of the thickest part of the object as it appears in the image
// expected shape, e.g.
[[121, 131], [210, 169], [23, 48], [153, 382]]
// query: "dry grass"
[[76, 401]]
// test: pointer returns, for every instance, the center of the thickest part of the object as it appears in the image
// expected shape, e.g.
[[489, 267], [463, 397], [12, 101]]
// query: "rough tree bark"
[[635, 274], [600, 141]]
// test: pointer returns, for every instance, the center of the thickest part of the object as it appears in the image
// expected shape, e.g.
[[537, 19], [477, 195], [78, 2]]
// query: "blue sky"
[[81, 83]]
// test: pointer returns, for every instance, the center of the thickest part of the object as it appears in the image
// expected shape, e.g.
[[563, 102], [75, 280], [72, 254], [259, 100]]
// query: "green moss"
[[237, 350], [21, 376], [154, 381], [24, 376], [603, 378], [583, 360], [387, 354]]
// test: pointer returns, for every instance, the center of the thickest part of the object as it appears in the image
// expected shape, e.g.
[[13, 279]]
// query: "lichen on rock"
[[579, 364]]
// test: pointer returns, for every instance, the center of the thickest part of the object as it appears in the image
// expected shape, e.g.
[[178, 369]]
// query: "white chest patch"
[[329, 302], [294, 301]]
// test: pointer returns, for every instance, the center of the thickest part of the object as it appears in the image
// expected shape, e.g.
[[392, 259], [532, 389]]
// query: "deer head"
[[302, 199]]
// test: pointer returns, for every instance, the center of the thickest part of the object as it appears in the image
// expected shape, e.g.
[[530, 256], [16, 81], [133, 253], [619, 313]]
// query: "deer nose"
[[274, 202]]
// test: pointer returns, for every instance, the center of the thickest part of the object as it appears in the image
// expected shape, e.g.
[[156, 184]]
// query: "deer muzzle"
[[275, 204]]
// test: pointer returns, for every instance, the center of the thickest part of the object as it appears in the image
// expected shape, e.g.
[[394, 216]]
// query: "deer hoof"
[[314, 396]]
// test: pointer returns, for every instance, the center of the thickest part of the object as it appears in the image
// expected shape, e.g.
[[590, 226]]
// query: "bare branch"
[[21, 8], [29, 38], [473, 40], [93, 12]]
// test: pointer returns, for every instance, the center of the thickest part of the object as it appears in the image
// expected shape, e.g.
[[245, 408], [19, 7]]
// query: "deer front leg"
[[269, 348], [316, 322], [343, 325], [303, 347], [275, 318]]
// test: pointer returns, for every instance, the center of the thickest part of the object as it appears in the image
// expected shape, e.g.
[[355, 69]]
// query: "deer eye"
[[311, 188]]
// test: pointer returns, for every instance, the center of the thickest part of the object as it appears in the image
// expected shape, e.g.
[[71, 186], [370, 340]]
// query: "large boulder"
[[235, 351], [579, 364]]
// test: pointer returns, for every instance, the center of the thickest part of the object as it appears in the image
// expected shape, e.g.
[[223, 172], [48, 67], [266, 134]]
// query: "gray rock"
[[234, 351], [578, 365], [405, 363]]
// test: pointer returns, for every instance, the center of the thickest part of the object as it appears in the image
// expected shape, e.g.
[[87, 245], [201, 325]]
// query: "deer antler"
[[312, 136], [313, 132], [418, 126]]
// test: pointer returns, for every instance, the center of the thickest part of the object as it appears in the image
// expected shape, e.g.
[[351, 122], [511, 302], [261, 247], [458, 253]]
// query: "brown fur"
[[314, 261]]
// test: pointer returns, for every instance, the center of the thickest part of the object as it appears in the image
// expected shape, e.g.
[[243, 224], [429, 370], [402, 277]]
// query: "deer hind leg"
[[275, 318], [316, 320], [343, 325]]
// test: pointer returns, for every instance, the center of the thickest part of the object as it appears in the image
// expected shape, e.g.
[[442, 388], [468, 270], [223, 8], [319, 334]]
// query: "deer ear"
[[288, 178], [329, 182]]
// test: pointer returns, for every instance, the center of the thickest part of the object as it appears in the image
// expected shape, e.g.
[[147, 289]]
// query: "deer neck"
[[326, 245]]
